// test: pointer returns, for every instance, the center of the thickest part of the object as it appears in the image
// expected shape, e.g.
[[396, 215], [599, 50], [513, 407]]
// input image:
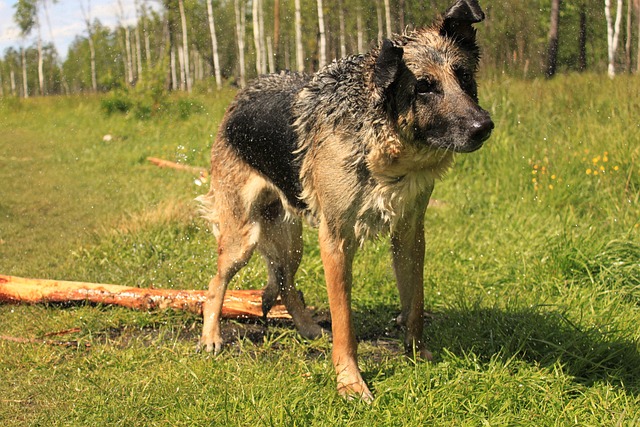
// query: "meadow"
[[532, 275]]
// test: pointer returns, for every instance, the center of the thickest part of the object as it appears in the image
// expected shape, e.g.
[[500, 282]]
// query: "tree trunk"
[[86, 14], [276, 30], [129, 60], [237, 303], [380, 24], [360, 30], [613, 32], [92, 53], [183, 77], [25, 88], [12, 76], [638, 32], [138, 51], [40, 61], [322, 53], [401, 15], [582, 39], [299, 47], [270, 55], [214, 46], [343, 42], [552, 53], [240, 31], [387, 17], [185, 45], [174, 74], [627, 44], [258, 37]]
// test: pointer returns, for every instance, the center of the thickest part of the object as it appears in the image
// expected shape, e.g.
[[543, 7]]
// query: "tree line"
[[203, 44]]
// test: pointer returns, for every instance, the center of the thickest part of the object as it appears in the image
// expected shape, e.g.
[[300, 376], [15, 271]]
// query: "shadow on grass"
[[542, 335]]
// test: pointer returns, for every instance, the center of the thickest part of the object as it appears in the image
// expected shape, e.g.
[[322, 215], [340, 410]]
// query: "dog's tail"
[[206, 209]]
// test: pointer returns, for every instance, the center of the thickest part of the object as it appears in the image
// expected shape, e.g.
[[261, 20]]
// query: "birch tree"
[[126, 46], [552, 52], [26, 16], [258, 37], [214, 45], [638, 47], [241, 17], [299, 47], [343, 42], [185, 45], [387, 17], [86, 14], [322, 49], [613, 32]]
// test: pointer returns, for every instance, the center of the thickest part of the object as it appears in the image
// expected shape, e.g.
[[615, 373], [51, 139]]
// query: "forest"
[[205, 44]]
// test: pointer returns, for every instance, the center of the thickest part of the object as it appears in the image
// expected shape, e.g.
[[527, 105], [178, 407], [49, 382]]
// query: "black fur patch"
[[259, 127]]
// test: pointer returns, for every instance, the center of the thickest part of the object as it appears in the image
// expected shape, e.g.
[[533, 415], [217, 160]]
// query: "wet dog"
[[356, 148]]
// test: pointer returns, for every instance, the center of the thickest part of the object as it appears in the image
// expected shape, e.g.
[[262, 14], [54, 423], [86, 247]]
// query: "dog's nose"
[[481, 129]]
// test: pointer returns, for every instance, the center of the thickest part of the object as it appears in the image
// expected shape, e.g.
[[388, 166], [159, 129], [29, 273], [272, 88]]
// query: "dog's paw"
[[353, 391]]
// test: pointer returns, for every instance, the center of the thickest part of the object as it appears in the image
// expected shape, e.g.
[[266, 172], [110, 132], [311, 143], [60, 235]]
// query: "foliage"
[[513, 39]]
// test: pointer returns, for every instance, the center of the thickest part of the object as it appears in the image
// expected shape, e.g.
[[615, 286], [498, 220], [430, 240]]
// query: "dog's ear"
[[387, 64], [458, 20]]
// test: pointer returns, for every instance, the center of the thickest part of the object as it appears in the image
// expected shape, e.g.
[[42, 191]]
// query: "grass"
[[532, 276]]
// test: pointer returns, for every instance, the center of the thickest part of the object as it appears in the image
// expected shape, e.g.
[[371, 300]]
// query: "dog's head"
[[426, 79]]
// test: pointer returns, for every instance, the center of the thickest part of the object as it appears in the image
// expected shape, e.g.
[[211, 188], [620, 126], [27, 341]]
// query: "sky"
[[66, 21]]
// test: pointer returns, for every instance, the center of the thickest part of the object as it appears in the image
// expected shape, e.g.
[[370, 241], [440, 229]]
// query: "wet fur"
[[355, 148]]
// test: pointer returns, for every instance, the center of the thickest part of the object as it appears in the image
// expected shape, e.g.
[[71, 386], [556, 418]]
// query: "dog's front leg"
[[337, 258], [408, 246]]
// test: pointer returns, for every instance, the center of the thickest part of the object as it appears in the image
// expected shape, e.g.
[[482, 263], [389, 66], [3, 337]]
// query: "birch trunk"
[[183, 81], [380, 24], [299, 47], [258, 37], [270, 55], [613, 32], [627, 44], [12, 76], [25, 85], [343, 43], [174, 74], [360, 31], [129, 59], [40, 61], [552, 53], [214, 45], [86, 14], [185, 45], [638, 47], [387, 17], [322, 54], [240, 31]]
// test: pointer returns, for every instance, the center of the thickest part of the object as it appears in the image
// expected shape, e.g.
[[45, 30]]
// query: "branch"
[[237, 303]]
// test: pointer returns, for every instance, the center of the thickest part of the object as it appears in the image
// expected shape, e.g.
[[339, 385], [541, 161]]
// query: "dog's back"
[[259, 128]]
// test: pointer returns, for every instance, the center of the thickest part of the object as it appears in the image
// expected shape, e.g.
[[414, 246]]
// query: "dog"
[[356, 149]]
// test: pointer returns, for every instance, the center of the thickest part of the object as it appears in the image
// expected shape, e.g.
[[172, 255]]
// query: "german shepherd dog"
[[356, 148]]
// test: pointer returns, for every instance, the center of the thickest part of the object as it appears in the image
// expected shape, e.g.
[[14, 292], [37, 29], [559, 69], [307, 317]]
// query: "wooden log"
[[237, 303], [201, 172]]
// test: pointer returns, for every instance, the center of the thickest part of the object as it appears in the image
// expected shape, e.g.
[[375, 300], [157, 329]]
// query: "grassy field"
[[532, 276]]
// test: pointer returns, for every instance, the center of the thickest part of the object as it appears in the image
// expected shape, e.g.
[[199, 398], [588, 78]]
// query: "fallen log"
[[237, 303], [201, 172]]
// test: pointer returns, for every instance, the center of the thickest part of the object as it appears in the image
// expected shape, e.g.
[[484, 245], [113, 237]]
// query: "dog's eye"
[[425, 86], [464, 76]]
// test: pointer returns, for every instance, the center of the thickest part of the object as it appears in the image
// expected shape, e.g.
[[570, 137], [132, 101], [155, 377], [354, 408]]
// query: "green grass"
[[532, 276]]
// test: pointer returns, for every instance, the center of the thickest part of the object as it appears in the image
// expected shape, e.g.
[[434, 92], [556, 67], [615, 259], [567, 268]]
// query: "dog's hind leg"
[[235, 247], [281, 246]]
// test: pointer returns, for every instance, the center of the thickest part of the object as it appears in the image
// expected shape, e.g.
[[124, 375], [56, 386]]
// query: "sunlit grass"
[[532, 276]]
